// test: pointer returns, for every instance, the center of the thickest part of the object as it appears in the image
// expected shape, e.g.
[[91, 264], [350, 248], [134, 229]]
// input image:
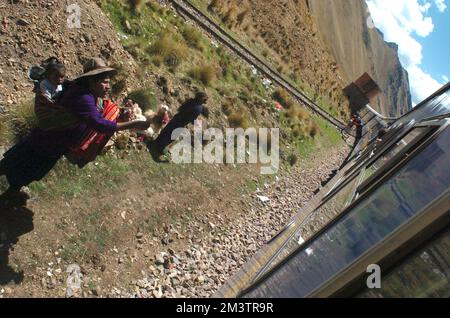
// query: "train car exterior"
[[385, 213]]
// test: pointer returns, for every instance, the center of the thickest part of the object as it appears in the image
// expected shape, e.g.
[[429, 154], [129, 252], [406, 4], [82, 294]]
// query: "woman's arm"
[[135, 124]]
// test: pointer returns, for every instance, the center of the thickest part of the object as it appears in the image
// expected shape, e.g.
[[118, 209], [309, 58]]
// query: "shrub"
[[229, 17], [136, 5], [241, 16], [144, 98], [172, 52], [204, 74], [238, 120], [22, 119], [313, 130], [119, 82], [214, 4], [292, 113], [118, 87], [158, 60], [245, 95], [283, 97], [297, 114], [5, 133], [136, 49], [302, 114], [227, 107], [297, 131], [292, 159], [193, 37]]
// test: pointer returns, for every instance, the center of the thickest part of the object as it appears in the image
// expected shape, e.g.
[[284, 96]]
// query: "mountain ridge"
[[358, 48]]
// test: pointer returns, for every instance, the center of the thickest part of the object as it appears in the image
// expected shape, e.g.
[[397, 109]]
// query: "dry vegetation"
[[193, 37], [238, 120], [168, 49], [21, 119], [205, 74]]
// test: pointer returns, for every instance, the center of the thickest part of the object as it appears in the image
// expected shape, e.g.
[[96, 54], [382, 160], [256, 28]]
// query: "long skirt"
[[23, 164]]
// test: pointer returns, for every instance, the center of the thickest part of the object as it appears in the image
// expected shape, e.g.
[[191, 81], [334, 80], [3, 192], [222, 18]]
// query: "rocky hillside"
[[359, 47], [285, 35], [28, 37]]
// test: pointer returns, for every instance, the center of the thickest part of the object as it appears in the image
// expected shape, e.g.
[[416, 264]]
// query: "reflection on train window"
[[394, 150], [314, 222], [425, 274], [376, 216], [439, 105]]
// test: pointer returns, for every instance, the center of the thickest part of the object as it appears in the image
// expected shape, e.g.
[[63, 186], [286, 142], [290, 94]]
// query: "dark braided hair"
[[53, 65]]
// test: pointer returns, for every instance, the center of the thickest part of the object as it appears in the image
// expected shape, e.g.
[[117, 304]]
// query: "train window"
[[437, 105], [424, 274], [357, 163], [364, 155], [410, 138], [366, 223], [314, 222], [376, 169]]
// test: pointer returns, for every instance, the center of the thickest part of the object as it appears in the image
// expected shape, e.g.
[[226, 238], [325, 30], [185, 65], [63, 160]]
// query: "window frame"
[[329, 287]]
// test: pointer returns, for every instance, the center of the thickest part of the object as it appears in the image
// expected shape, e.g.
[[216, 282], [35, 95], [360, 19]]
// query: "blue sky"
[[421, 28], [436, 47]]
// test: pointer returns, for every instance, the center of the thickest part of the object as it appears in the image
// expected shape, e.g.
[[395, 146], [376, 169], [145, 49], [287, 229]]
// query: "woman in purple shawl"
[[32, 158]]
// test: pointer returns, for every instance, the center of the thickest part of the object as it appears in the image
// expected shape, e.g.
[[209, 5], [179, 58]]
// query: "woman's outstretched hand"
[[141, 124], [135, 124]]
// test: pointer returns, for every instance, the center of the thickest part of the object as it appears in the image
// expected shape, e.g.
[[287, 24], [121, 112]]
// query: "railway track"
[[190, 11]]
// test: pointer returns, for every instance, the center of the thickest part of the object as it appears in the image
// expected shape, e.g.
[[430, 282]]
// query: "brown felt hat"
[[94, 67]]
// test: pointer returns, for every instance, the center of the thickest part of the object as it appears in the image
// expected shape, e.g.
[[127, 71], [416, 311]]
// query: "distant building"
[[361, 92]]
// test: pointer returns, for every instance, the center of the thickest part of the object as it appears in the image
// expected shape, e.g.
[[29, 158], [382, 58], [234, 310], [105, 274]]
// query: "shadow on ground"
[[15, 221]]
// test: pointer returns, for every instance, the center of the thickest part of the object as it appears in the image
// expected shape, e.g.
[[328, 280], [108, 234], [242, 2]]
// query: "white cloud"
[[445, 78], [422, 84], [440, 4], [399, 20]]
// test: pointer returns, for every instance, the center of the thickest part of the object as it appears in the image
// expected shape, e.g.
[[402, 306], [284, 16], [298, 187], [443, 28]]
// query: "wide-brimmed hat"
[[94, 67]]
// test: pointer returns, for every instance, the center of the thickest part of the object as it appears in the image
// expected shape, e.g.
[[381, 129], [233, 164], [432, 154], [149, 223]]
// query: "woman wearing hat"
[[32, 158]]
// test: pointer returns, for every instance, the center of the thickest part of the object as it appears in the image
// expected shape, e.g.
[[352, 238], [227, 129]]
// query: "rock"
[[171, 251], [52, 283], [74, 280], [127, 26], [263, 199], [165, 241], [200, 279], [8, 290], [139, 235], [22, 22], [97, 291], [147, 253], [43, 282], [175, 282], [157, 293], [159, 260]]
